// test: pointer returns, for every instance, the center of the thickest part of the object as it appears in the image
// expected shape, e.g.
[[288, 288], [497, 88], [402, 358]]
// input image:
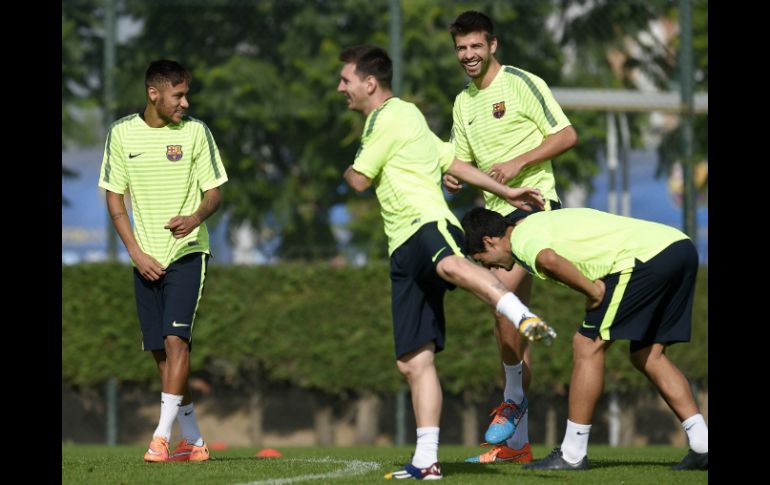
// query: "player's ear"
[[152, 93], [489, 243], [371, 84], [493, 45]]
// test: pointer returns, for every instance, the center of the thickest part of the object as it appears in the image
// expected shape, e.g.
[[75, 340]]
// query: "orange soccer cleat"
[[158, 450], [502, 453], [187, 452]]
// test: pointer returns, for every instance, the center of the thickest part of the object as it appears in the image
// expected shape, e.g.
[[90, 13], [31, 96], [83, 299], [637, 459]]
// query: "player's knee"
[[406, 368], [415, 364], [641, 359], [583, 348], [450, 268], [577, 345], [175, 344]]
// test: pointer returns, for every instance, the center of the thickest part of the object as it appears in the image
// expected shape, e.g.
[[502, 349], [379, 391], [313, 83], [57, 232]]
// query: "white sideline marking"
[[352, 468]]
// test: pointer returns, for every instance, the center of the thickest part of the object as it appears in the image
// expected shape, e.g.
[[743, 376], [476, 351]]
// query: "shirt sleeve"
[[540, 106], [458, 137], [525, 248], [446, 153], [112, 174], [209, 169], [377, 145]]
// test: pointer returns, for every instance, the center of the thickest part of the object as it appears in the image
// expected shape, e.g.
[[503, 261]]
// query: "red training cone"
[[268, 453]]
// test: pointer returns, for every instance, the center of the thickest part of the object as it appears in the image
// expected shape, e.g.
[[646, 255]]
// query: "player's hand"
[[181, 226], [536, 330], [525, 198], [148, 267], [504, 172], [451, 183], [595, 299]]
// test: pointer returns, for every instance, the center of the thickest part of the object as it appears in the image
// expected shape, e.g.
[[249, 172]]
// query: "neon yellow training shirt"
[[404, 160], [509, 117], [597, 243], [166, 170]]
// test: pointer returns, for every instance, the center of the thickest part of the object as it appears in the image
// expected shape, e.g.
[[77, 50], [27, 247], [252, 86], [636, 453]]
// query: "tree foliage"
[[265, 74]]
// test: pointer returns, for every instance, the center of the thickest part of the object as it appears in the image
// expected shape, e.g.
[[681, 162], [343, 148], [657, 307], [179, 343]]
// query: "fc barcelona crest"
[[498, 109], [174, 152]]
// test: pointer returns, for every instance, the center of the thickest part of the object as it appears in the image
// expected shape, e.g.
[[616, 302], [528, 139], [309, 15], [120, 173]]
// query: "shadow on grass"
[[455, 468], [596, 464], [247, 458]]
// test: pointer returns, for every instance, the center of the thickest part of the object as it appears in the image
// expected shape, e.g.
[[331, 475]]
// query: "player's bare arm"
[[357, 181], [559, 268], [181, 226], [452, 183], [552, 146], [523, 198], [148, 267]]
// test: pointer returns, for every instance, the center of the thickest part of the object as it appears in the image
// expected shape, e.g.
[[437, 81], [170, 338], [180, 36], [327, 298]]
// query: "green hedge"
[[323, 327]]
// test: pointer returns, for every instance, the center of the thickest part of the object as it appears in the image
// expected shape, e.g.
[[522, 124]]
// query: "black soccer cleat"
[[693, 461], [554, 461]]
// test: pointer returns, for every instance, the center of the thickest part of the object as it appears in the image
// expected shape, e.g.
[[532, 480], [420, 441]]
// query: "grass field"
[[86, 464]]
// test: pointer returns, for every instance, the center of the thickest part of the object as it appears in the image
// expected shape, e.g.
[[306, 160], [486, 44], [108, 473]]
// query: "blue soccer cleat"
[[506, 417], [410, 471]]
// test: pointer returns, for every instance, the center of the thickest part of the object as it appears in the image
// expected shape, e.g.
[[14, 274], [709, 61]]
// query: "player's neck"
[[377, 100], [509, 231], [489, 76], [151, 117]]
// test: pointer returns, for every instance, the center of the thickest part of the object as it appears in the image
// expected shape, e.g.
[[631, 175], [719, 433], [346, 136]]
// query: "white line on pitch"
[[352, 468]]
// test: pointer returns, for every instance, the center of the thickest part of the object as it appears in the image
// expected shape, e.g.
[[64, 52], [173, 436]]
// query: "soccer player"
[[639, 280], [404, 160], [170, 164], [507, 122]]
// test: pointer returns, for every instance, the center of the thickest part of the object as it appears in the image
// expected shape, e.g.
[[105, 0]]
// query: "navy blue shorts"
[[649, 303], [550, 205], [167, 306], [417, 291]]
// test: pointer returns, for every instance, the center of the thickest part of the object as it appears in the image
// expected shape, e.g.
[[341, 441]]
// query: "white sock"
[[512, 308], [697, 433], [426, 453], [189, 425], [575, 444], [169, 406], [514, 390]]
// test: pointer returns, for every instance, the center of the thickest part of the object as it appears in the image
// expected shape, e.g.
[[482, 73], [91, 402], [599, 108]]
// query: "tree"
[[670, 147], [613, 46], [265, 75], [79, 86]]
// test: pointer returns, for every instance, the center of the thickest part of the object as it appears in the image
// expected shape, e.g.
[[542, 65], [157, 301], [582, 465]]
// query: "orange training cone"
[[268, 453]]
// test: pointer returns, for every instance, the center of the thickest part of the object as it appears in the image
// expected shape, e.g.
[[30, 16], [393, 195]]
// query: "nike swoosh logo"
[[187, 414], [471, 121], [585, 325], [134, 155], [437, 253], [689, 428], [510, 458], [175, 324], [581, 434]]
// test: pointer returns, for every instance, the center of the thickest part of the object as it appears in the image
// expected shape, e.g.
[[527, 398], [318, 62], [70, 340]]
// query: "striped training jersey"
[[404, 160], [509, 117], [166, 170], [597, 243]]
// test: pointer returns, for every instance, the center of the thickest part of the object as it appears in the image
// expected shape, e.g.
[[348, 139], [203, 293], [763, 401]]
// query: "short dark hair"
[[165, 71], [370, 60], [472, 21], [479, 222]]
